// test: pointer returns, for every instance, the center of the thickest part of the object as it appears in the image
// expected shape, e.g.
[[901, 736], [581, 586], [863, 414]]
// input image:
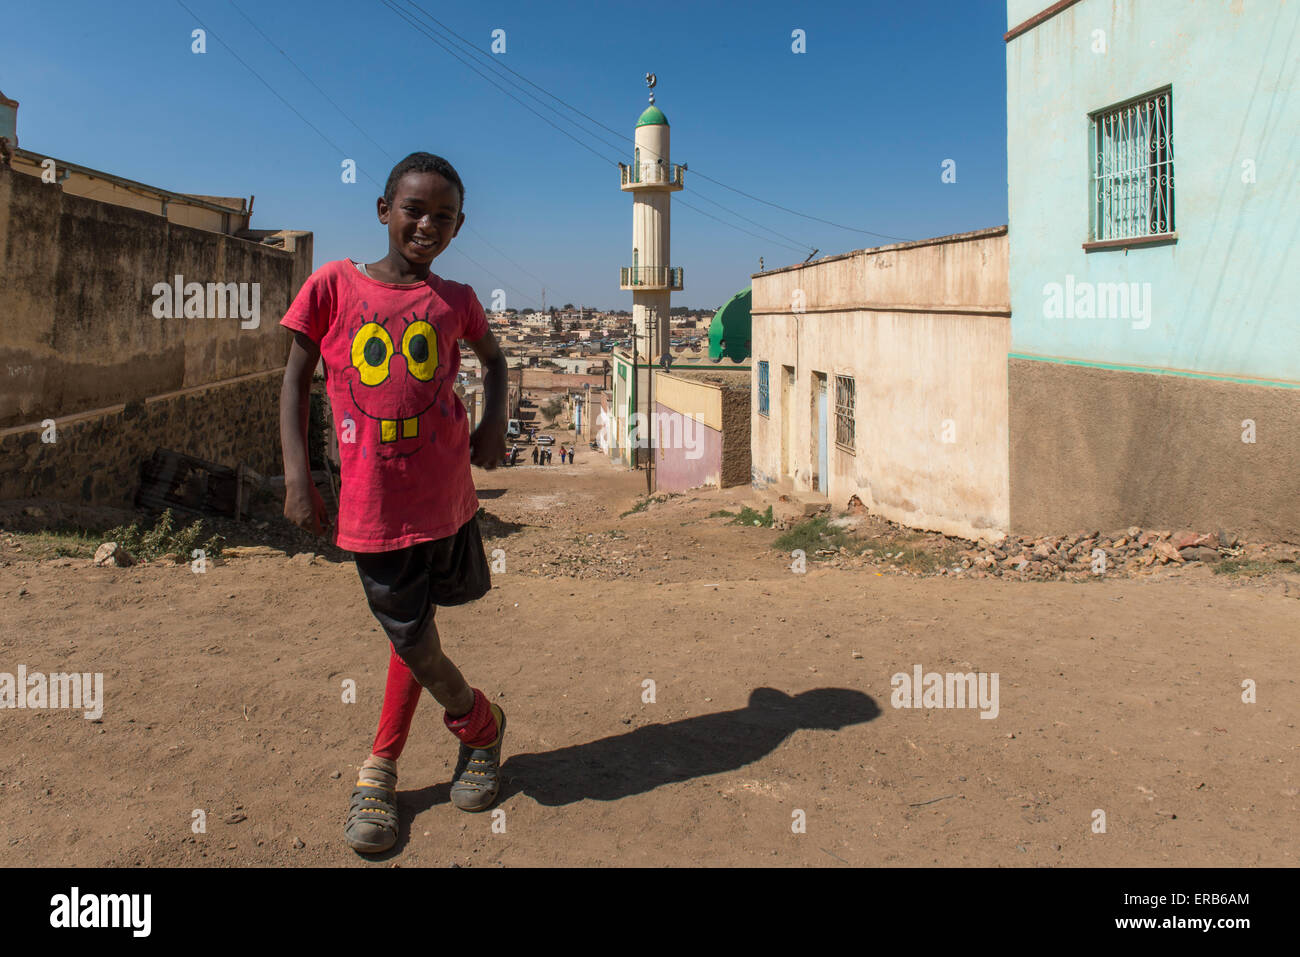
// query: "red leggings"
[[477, 727], [401, 695]]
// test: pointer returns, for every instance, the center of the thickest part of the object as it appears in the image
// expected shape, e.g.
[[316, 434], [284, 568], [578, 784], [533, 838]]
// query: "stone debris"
[[110, 553]]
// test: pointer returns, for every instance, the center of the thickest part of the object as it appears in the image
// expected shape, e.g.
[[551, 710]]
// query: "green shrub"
[[165, 538], [748, 516]]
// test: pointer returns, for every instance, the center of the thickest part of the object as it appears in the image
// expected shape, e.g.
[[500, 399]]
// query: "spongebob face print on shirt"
[[395, 377]]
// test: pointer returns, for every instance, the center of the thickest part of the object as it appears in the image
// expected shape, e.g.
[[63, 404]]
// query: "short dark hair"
[[423, 163]]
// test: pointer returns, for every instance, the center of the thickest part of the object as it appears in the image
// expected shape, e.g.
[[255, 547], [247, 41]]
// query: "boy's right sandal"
[[371, 826]]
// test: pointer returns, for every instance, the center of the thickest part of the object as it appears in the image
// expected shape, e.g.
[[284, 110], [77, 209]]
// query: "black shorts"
[[402, 586]]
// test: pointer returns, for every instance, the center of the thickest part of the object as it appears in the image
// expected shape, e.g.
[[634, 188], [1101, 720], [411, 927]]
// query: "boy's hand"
[[305, 508], [487, 444]]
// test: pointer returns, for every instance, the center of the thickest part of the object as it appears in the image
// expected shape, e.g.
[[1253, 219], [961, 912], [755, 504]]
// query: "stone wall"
[[735, 444], [95, 456]]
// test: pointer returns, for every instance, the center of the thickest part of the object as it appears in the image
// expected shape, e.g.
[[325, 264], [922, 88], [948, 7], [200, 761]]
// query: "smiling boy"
[[388, 333]]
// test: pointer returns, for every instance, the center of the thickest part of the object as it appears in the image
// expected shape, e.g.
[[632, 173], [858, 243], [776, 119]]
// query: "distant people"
[[535, 450], [563, 453], [571, 456]]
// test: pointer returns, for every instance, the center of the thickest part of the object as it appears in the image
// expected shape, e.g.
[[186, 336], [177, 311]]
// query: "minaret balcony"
[[650, 277], [656, 175]]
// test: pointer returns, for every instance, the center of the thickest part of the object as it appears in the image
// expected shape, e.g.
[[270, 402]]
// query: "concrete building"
[[218, 214], [882, 373], [1154, 369]]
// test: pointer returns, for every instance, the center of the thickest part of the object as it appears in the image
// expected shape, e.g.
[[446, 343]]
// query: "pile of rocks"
[[1124, 551]]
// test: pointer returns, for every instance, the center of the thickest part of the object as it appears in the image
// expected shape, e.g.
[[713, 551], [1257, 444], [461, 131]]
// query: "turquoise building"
[[1154, 371]]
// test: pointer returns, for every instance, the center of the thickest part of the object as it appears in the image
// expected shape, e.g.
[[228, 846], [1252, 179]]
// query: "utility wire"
[[338, 149], [797, 247], [419, 26], [307, 78], [496, 62], [795, 212], [735, 227], [699, 195], [207, 30]]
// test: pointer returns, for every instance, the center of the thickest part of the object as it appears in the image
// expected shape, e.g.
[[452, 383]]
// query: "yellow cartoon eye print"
[[420, 346], [372, 348], [395, 379]]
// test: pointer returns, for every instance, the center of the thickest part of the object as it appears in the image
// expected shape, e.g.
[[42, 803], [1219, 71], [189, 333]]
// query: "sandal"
[[371, 826], [477, 777]]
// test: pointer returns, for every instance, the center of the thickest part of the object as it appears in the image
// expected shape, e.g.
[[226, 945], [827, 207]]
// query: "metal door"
[[821, 436]]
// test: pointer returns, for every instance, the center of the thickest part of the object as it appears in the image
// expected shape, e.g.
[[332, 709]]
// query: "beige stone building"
[[99, 363], [882, 374]]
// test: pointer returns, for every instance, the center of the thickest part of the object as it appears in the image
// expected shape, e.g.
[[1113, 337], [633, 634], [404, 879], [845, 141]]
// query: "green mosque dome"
[[653, 116]]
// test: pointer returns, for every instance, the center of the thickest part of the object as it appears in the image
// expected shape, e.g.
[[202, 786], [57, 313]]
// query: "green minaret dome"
[[653, 116]]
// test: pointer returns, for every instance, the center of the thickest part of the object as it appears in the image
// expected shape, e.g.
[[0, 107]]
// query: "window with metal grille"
[[1133, 168], [762, 389], [845, 400]]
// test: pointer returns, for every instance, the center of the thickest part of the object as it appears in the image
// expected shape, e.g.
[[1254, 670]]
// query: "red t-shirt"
[[391, 355]]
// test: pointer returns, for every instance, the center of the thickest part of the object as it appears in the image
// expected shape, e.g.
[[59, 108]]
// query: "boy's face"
[[423, 218]]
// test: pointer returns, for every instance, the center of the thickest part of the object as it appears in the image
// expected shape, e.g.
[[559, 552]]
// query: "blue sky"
[[854, 131]]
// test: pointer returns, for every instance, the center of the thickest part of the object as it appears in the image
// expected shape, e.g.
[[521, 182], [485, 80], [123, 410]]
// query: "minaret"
[[651, 179]]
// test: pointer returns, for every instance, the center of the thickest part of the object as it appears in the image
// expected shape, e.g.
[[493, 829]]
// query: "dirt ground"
[[772, 704]]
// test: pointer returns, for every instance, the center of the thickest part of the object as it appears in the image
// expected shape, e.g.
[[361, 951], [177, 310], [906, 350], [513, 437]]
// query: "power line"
[[798, 247], [748, 220], [417, 25], [208, 30], [796, 212], [735, 227], [496, 63], [470, 45], [307, 78], [330, 142]]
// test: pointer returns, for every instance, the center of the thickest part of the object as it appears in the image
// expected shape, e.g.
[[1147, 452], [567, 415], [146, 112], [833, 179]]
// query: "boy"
[[388, 332]]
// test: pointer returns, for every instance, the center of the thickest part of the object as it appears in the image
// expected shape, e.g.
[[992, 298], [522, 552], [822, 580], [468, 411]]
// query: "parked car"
[[546, 440]]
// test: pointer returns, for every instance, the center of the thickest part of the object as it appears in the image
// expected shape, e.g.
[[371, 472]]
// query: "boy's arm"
[[303, 504], [487, 446]]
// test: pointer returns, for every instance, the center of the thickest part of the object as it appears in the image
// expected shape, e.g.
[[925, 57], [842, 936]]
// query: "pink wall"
[[674, 471]]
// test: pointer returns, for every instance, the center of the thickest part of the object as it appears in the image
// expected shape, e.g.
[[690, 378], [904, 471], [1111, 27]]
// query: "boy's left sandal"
[[371, 826], [477, 778]]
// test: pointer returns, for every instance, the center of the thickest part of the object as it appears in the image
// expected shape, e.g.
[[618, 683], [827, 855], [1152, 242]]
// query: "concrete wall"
[[546, 379], [679, 468], [923, 329], [1104, 449], [170, 206], [1223, 297], [1138, 420], [83, 348], [77, 302]]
